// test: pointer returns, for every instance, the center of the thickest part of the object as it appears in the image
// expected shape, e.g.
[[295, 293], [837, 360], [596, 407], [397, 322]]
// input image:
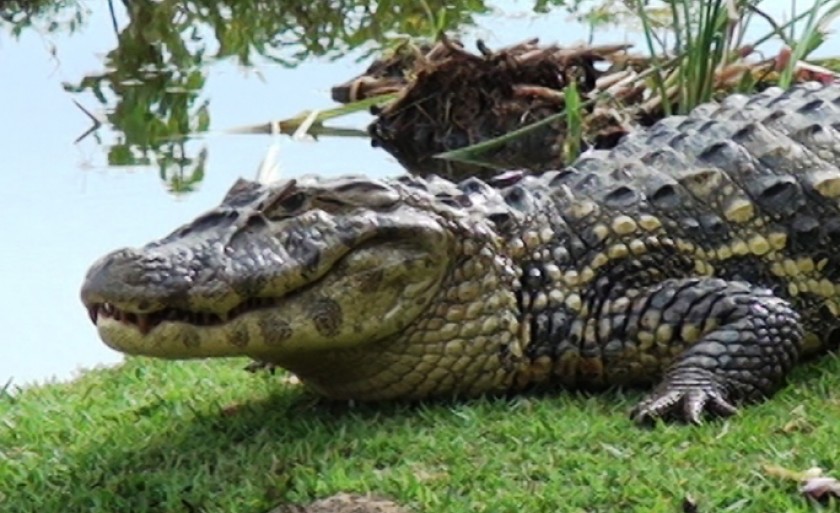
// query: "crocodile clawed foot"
[[686, 399], [260, 366]]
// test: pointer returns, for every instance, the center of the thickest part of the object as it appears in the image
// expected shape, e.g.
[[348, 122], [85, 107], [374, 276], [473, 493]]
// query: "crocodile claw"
[[684, 401]]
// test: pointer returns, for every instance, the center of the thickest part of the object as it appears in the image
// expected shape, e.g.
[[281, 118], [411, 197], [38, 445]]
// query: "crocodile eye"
[[292, 202], [284, 206]]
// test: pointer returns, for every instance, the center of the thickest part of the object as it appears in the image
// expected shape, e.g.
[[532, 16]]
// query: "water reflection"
[[42, 16], [151, 87]]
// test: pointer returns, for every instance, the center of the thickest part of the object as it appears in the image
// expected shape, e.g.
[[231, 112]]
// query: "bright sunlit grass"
[[209, 437]]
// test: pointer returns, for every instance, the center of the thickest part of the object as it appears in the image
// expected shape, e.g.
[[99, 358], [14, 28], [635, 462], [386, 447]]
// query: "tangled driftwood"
[[450, 98]]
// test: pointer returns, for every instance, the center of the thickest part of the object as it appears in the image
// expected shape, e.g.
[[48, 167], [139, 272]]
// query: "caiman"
[[700, 256]]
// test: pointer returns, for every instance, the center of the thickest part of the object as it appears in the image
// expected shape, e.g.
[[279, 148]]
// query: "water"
[[64, 204]]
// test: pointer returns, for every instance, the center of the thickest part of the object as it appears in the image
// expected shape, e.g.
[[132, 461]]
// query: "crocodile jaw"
[[367, 295]]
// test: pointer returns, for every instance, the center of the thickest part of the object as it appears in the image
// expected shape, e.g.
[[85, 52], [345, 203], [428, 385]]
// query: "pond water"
[[162, 69]]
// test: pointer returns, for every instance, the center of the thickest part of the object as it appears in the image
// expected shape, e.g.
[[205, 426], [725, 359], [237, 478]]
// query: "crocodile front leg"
[[731, 342]]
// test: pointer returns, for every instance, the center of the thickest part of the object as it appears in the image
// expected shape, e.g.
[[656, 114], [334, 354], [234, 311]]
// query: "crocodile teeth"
[[107, 309], [146, 322], [143, 323]]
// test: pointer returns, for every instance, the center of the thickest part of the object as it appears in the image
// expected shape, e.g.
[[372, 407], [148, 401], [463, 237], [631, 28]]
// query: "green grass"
[[208, 437]]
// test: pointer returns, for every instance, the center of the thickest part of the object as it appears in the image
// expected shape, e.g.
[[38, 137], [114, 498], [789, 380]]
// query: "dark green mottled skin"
[[701, 256]]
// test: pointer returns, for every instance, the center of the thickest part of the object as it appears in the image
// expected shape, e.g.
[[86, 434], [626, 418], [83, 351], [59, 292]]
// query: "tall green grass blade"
[[811, 38], [472, 154], [574, 123], [658, 79]]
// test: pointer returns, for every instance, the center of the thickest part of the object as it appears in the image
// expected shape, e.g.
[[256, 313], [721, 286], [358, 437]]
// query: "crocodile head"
[[340, 281]]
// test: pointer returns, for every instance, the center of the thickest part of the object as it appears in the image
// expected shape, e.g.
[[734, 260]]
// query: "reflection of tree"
[[155, 80], [286, 31], [290, 31], [41, 15], [152, 83]]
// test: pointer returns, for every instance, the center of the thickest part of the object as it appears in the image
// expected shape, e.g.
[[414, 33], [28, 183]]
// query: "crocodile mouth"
[[146, 322]]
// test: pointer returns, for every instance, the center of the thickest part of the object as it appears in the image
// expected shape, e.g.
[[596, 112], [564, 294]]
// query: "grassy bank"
[[208, 437]]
